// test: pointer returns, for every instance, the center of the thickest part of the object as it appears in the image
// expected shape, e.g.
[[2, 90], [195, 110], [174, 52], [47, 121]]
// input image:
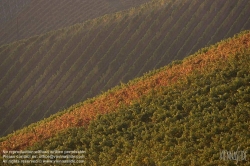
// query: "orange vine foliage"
[[127, 94]]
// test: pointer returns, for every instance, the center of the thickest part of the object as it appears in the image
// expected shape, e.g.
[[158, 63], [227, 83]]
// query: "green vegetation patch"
[[188, 123]]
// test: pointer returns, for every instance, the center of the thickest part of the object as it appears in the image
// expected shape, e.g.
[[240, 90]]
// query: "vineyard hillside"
[[20, 19], [185, 113], [44, 74]]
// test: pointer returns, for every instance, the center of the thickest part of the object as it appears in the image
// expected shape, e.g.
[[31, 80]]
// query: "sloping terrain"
[[47, 73], [9, 9], [185, 113], [21, 19]]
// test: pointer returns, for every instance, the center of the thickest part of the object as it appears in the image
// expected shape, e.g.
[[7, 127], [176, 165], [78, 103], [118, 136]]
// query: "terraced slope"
[[46, 73], [185, 113], [21, 19]]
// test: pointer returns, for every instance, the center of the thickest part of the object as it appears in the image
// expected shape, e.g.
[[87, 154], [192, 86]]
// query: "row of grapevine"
[[241, 18], [25, 85], [167, 23], [40, 17], [54, 77], [120, 60], [9, 88], [176, 29], [52, 100], [77, 63], [227, 22], [235, 46], [6, 80], [192, 29], [164, 44], [121, 40], [206, 100], [219, 18], [41, 84]]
